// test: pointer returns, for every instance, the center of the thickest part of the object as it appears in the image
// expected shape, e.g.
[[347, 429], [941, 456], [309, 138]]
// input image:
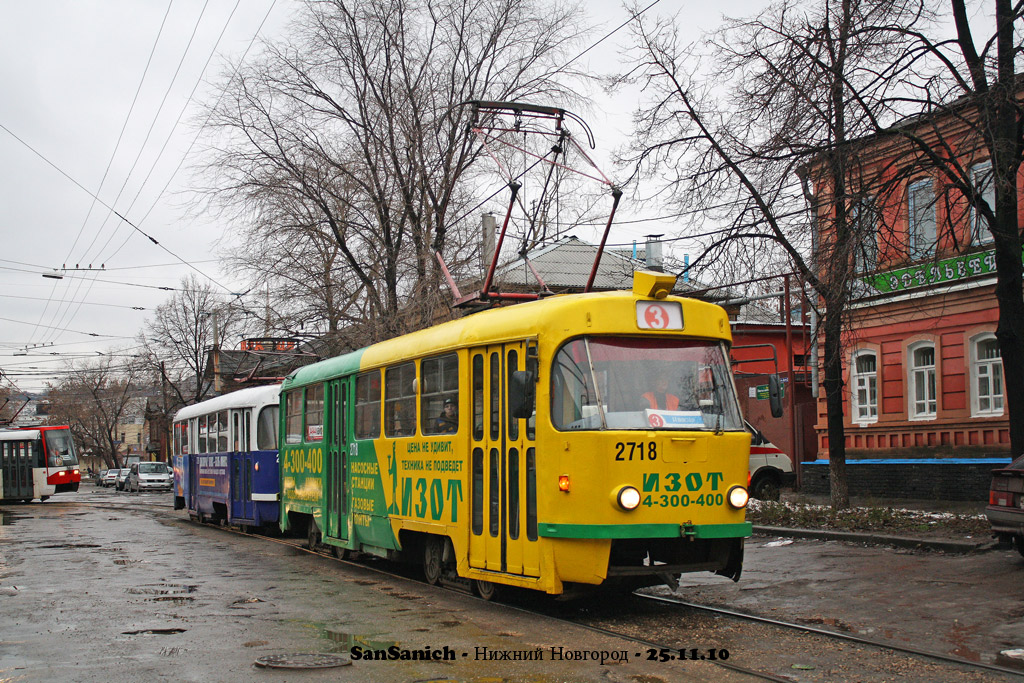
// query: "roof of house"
[[565, 265]]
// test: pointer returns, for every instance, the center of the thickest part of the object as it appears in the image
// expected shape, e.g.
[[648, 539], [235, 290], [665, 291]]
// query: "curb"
[[946, 546]]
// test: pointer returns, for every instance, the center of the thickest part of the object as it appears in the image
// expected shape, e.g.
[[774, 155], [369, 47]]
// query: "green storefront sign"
[[946, 270]]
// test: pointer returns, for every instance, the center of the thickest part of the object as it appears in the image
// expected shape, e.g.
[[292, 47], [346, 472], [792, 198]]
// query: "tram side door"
[[17, 469], [337, 456], [503, 513], [241, 466]]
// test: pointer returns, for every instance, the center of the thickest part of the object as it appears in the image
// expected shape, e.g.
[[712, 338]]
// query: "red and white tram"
[[37, 463]]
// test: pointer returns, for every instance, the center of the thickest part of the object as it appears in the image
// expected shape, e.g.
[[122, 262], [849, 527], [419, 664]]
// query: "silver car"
[[149, 476], [122, 479]]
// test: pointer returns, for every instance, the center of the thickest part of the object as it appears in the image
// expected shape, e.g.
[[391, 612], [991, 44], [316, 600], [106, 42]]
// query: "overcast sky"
[[73, 112]]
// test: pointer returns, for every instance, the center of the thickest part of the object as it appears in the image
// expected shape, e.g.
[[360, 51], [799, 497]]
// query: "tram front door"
[[503, 516], [337, 455]]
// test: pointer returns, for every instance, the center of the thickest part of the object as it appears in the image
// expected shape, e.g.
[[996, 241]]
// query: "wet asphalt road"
[[96, 586]]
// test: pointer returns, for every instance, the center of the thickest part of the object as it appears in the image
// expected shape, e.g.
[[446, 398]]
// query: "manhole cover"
[[303, 660]]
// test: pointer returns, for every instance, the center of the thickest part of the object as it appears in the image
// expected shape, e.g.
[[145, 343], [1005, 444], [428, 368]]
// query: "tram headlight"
[[628, 498], [738, 497]]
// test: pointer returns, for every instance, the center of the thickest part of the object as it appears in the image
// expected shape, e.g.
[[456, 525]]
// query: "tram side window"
[[400, 400], [478, 397], [315, 413], [368, 405], [293, 416], [495, 395], [266, 428], [222, 433], [513, 422], [202, 434], [440, 383]]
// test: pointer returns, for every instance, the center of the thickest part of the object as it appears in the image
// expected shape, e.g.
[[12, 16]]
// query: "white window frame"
[[921, 220], [868, 382], [925, 372], [985, 369], [980, 233]]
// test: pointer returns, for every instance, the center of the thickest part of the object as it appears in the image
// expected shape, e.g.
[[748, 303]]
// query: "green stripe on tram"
[[547, 530]]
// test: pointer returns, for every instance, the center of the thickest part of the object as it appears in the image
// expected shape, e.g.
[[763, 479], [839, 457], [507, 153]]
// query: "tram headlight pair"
[[738, 497], [628, 498]]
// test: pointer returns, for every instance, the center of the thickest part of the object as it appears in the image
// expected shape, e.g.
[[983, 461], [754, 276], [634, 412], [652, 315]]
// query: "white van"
[[770, 469], [149, 476]]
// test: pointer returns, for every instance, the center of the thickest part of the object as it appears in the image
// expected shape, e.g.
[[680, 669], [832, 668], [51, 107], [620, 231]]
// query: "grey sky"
[[69, 71]]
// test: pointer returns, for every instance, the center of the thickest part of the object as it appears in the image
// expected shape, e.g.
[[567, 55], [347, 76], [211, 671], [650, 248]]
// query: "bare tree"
[[790, 89], [353, 129], [92, 400], [177, 340]]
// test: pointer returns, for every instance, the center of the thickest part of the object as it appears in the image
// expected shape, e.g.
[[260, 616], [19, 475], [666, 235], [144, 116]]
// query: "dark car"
[[1005, 508]]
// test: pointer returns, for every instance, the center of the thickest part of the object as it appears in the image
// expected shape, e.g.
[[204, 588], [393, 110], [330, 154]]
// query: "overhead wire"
[[138, 156], [117, 145]]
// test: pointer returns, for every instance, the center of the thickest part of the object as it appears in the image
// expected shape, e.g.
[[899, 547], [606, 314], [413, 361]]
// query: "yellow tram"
[[578, 439]]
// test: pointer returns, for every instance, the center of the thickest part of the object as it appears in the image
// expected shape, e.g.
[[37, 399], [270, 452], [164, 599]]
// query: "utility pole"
[[217, 383], [165, 442]]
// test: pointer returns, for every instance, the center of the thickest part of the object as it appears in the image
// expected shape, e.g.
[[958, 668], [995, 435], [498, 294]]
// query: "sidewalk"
[[935, 540]]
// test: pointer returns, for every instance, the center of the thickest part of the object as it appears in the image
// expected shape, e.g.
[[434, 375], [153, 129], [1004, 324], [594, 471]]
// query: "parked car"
[[122, 478], [770, 468], [110, 476], [100, 477], [149, 476], [1005, 498]]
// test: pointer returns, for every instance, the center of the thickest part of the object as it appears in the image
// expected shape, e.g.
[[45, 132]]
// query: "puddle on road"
[[162, 589], [154, 632], [8, 518]]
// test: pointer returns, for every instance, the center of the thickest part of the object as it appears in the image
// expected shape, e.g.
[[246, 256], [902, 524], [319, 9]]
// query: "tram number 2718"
[[640, 450]]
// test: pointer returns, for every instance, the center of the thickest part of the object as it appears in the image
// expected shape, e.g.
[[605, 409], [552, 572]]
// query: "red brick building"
[[922, 372]]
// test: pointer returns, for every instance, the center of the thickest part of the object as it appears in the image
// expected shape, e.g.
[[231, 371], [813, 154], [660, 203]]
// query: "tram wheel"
[[339, 552], [43, 499], [433, 552], [486, 589], [313, 535]]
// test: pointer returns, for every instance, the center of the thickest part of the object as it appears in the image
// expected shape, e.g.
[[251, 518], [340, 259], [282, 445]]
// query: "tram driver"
[[660, 398]]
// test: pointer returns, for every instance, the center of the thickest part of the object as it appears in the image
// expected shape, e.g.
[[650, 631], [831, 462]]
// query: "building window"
[[864, 219], [922, 381], [981, 178], [986, 375], [865, 387], [921, 219]]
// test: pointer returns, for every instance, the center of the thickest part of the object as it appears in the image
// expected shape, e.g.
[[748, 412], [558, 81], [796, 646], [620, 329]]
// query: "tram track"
[[527, 602], [672, 627]]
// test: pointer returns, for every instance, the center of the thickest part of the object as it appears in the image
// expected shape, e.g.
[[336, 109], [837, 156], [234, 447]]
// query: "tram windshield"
[[60, 448], [630, 383]]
